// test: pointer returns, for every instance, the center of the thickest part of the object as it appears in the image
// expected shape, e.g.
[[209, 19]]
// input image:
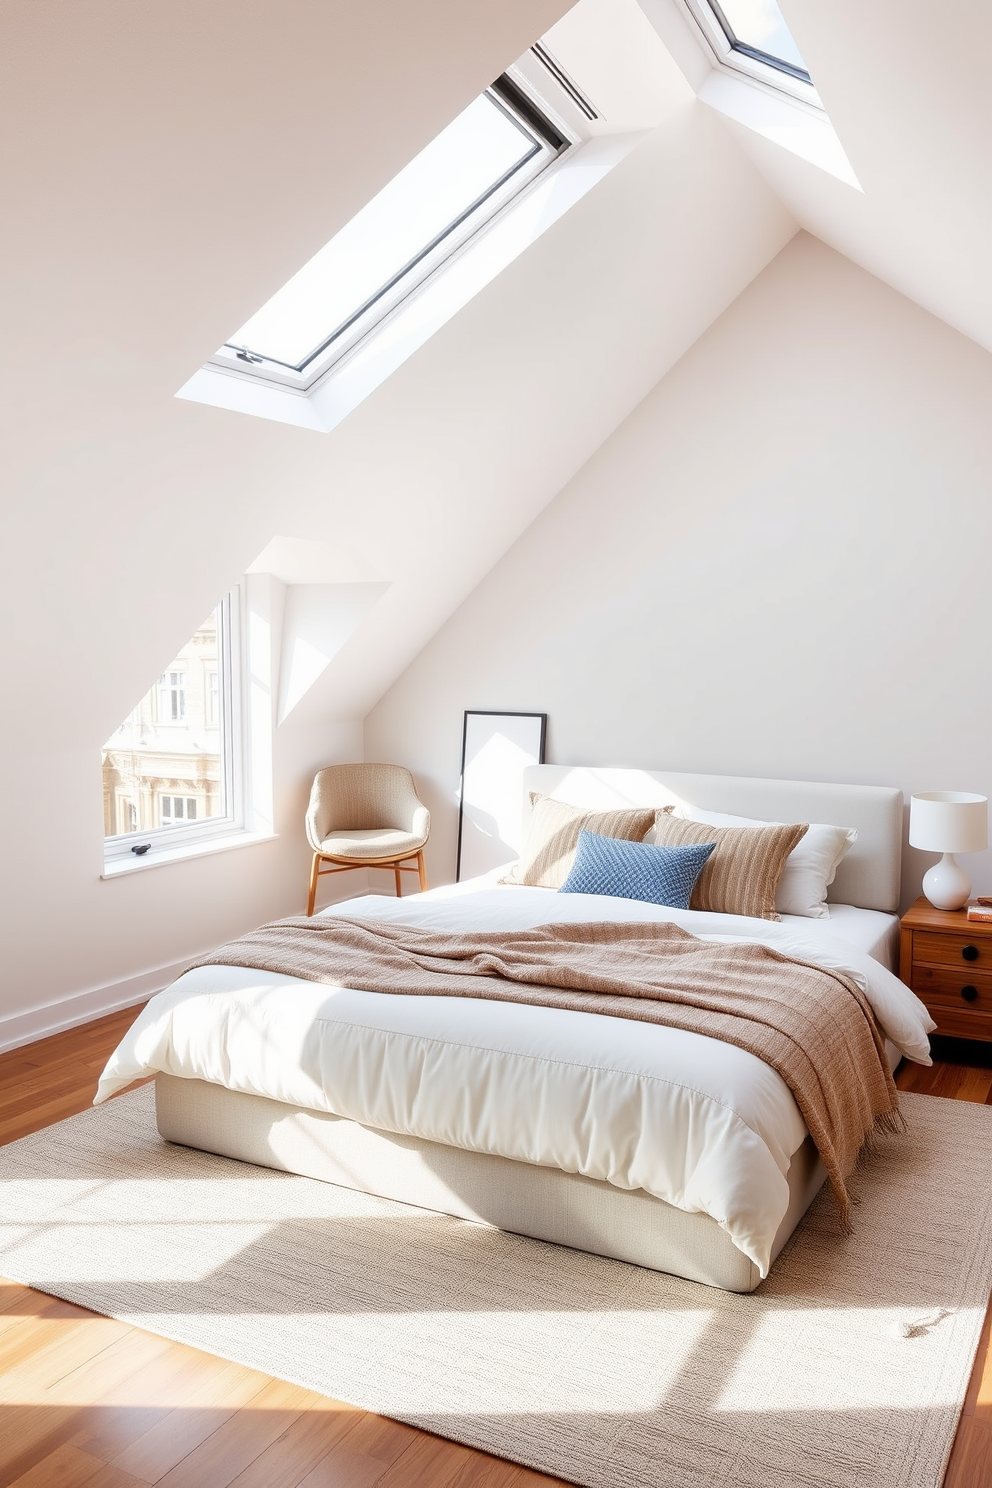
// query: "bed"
[[656, 1146]]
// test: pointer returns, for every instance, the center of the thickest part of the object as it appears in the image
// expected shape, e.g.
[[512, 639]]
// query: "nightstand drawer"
[[958, 987], [952, 950], [955, 1023]]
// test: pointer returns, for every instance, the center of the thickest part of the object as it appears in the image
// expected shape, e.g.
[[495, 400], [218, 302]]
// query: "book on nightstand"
[[981, 909]]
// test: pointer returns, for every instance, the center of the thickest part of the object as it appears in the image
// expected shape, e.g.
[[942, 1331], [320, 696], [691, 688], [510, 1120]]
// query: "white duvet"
[[696, 1122]]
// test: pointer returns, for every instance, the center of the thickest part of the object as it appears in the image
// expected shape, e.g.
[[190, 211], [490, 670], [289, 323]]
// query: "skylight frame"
[[749, 61], [553, 140]]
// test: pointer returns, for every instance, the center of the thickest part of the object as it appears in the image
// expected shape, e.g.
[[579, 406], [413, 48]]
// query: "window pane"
[[760, 24], [166, 762], [456, 170]]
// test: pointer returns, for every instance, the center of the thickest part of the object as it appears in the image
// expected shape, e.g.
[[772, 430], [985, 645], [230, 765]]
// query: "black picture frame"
[[470, 831]]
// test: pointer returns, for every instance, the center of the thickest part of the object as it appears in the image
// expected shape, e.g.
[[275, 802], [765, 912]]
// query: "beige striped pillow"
[[554, 836], [741, 875]]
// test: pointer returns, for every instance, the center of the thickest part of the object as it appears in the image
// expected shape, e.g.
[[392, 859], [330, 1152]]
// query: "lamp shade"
[[949, 822]]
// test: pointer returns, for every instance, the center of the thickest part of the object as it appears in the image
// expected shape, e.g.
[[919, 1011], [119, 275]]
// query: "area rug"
[[846, 1369]]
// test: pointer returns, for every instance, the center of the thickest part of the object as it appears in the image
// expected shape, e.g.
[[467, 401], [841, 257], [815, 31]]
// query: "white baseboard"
[[17, 1029]]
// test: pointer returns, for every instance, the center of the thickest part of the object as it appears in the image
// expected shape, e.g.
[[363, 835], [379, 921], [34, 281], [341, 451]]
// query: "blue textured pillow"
[[636, 870]]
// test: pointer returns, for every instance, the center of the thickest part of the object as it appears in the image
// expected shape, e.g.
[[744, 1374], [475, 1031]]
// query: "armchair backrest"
[[352, 797]]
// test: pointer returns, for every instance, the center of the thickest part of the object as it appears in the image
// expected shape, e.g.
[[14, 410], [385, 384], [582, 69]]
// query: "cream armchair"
[[366, 816]]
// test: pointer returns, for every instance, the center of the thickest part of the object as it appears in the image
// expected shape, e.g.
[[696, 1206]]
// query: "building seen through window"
[[165, 765]]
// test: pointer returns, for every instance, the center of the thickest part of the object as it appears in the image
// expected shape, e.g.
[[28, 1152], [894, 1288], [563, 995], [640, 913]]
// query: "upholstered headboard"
[[868, 875]]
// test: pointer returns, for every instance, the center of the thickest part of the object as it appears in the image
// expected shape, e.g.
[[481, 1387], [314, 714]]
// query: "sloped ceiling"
[[164, 166], [167, 165], [905, 84]]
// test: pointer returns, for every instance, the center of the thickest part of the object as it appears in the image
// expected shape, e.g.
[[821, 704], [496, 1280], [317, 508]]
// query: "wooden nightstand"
[[947, 960]]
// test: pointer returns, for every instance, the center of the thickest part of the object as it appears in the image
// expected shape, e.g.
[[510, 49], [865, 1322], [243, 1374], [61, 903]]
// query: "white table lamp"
[[948, 822]]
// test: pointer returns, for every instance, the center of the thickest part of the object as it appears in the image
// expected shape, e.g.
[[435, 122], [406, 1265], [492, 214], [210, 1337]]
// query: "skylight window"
[[757, 28], [484, 158], [751, 36]]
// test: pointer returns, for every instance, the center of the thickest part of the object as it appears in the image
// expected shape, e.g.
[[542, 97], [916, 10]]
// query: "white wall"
[[172, 163], [777, 565], [166, 167]]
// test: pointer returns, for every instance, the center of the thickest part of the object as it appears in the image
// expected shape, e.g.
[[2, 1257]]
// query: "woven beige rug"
[[846, 1369]]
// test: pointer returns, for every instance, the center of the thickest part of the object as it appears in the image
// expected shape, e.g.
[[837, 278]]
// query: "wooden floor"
[[85, 1400]]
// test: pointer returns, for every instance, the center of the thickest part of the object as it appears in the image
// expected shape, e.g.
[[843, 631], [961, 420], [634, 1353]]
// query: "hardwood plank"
[[13, 1297], [36, 1425], [139, 1403], [22, 1337], [978, 1402], [913, 1077], [41, 1091], [491, 1472], [305, 1443], [32, 1091], [31, 1304], [96, 1031], [43, 1113], [16, 1063], [971, 1458], [39, 1113], [372, 1445], [29, 1434], [236, 1443], [223, 1391], [64, 1053], [441, 1463], [528, 1477], [65, 1059], [973, 1085], [952, 1081], [50, 1348], [980, 1384], [68, 1467], [110, 1370]]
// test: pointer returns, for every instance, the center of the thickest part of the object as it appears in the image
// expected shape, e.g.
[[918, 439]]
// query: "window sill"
[[120, 867], [794, 126]]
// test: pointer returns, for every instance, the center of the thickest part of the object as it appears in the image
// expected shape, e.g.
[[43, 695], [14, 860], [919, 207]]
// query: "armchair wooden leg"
[[399, 886], [314, 870], [422, 870]]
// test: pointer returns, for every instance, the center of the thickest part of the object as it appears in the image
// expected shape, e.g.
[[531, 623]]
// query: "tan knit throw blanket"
[[813, 1026]]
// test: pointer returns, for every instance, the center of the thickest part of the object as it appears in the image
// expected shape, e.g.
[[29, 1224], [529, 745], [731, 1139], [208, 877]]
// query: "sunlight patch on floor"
[[463, 1346], [876, 1365], [38, 1251]]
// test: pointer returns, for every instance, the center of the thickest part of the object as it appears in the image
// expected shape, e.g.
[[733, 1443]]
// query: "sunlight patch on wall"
[[317, 621]]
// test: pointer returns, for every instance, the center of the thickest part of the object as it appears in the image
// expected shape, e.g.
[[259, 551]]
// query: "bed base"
[[545, 1203]]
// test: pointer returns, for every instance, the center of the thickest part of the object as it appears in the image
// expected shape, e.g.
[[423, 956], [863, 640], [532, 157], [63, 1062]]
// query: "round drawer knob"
[[969, 993], [969, 952]]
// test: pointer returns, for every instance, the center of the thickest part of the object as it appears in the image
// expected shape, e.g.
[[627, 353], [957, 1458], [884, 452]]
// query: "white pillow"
[[809, 868]]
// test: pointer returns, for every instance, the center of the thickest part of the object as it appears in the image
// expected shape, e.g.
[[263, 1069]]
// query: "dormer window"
[[448, 193]]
